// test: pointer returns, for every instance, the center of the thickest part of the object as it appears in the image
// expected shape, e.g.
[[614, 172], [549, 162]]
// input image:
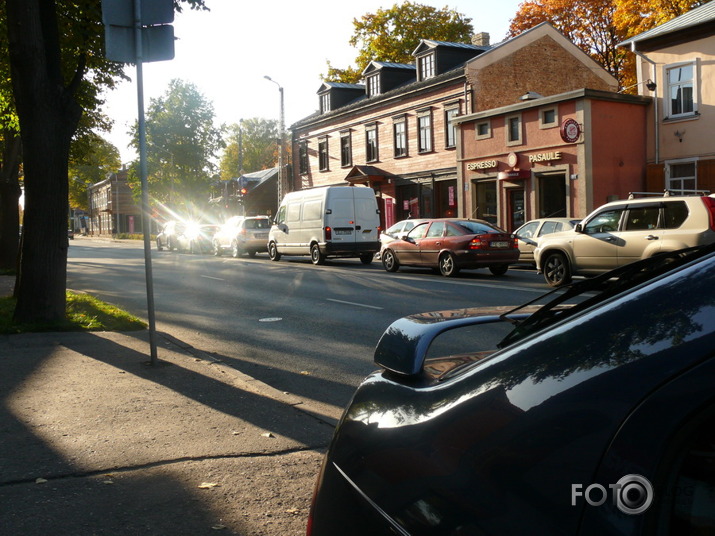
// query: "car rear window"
[[476, 227], [258, 224]]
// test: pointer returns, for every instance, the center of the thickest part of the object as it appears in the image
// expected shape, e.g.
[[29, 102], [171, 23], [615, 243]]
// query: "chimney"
[[481, 39]]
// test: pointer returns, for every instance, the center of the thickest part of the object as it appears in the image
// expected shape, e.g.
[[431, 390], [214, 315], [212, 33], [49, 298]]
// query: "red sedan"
[[450, 244]]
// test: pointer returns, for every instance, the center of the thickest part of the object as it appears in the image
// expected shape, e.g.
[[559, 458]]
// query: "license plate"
[[260, 235], [499, 244], [343, 231]]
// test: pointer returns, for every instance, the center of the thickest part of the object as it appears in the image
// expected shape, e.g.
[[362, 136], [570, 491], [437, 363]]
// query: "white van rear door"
[[367, 219], [342, 217]]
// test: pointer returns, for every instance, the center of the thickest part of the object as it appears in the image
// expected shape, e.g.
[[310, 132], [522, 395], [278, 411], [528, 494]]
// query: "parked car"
[[197, 238], [241, 235], [329, 221], [624, 231], [168, 236], [528, 234], [450, 244], [598, 418]]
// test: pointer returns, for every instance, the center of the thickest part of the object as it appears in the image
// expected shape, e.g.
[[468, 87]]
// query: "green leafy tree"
[[182, 144], [91, 160], [58, 72], [258, 147], [393, 34]]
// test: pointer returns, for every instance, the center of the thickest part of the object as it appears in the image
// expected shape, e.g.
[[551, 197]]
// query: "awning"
[[367, 174], [514, 175]]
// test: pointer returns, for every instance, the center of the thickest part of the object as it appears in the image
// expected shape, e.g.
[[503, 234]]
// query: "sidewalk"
[[95, 441]]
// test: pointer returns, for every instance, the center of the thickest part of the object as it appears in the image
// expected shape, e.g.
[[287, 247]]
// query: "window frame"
[[400, 121], [373, 85], [325, 102], [346, 149], [695, 85], [669, 179], [508, 128], [372, 152], [303, 162], [425, 131], [426, 66], [450, 130], [543, 124], [323, 154], [486, 135]]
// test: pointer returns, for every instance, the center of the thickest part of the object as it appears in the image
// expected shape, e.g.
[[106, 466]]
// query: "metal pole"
[[281, 127], [146, 222]]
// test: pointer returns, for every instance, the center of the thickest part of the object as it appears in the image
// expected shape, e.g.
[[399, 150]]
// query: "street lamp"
[[281, 128]]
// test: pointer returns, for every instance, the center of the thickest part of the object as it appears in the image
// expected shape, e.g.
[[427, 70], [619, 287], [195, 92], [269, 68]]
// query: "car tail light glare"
[[478, 243], [710, 205], [516, 243], [328, 233]]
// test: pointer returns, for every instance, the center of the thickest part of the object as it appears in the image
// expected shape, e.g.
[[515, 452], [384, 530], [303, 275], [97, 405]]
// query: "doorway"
[[517, 214], [552, 196]]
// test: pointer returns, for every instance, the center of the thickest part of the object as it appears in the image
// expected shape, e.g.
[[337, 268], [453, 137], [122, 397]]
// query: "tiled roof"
[[695, 17]]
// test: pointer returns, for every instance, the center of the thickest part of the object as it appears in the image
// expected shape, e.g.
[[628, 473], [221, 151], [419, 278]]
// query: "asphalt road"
[[304, 329]]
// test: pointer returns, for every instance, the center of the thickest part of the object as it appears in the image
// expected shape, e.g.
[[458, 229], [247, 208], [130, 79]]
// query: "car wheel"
[[557, 271], [366, 258], [389, 261], [159, 247], [447, 265], [316, 256], [273, 252], [217, 248], [499, 269], [235, 250]]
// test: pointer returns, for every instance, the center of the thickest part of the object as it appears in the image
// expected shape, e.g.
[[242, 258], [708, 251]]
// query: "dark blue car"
[[594, 415]]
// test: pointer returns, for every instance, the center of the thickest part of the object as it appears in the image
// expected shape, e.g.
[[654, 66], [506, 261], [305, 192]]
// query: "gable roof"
[[508, 47], [430, 44], [695, 17], [378, 65]]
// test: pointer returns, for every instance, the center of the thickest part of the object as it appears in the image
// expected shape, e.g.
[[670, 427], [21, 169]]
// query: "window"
[[373, 85], [483, 130], [325, 102], [371, 143], [400, 136], [513, 130], [682, 178], [346, 150], [605, 222], [681, 96], [425, 66], [419, 231], [303, 157], [642, 218], [674, 214], [323, 154], [436, 230], [424, 129], [450, 129], [548, 118]]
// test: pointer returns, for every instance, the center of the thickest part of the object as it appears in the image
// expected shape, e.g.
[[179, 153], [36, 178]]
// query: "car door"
[[640, 234], [432, 243], [407, 249], [595, 247], [526, 235]]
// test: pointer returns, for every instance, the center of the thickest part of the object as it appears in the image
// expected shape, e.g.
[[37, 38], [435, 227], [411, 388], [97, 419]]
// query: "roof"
[[431, 43], [340, 85], [695, 17]]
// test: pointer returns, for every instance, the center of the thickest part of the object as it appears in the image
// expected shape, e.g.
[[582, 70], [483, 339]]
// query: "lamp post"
[[281, 128]]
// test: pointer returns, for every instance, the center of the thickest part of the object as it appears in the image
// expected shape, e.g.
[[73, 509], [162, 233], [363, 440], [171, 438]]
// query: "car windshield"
[[597, 289], [477, 227], [262, 223]]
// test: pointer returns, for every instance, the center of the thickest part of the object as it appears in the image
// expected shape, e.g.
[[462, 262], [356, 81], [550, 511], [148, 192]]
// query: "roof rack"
[[668, 193]]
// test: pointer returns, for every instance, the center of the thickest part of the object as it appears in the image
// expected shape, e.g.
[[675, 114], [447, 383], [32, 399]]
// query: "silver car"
[[528, 234]]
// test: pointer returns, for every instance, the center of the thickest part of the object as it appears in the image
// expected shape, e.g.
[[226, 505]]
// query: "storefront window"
[[486, 201]]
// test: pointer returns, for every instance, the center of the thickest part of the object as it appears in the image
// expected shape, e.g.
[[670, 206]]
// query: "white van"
[[330, 221]]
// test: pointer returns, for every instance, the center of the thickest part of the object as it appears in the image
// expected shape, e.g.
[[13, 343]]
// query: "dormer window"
[[325, 102], [373, 85], [425, 66]]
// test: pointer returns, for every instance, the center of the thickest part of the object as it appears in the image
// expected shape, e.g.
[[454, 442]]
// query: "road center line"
[[353, 303], [214, 278]]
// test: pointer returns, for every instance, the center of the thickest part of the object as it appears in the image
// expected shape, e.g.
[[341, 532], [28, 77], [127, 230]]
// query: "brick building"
[[112, 207]]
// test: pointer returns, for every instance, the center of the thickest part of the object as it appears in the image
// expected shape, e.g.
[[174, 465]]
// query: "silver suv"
[[242, 235], [624, 231]]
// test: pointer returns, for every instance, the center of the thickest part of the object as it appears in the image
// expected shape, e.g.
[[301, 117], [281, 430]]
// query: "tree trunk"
[[9, 202], [48, 116]]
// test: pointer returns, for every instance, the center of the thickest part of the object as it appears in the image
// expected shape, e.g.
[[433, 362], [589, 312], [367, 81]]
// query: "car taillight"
[[478, 243], [710, 205], [328, 233], [516, 243]]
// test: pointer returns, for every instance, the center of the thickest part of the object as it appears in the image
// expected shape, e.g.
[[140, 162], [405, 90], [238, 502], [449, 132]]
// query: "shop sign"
[[570, 130], [545, 157], [484, 164]]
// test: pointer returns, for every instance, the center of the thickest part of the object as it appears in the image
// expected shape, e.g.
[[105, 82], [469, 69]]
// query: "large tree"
[[92, 158], [57, 70], [182, 144], [393, 34], [258, 148]]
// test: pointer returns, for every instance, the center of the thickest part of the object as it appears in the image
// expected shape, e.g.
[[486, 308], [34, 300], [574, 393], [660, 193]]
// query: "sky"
[[226, 52]]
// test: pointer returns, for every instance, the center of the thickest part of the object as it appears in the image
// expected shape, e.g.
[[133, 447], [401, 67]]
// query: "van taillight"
[[328, 233], [710, 205]]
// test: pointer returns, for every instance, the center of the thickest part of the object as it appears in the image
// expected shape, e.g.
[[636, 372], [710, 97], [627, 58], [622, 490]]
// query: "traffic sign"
[[157, 43], [153, 12]]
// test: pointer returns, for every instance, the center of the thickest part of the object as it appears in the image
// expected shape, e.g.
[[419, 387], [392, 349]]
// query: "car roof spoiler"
[[403, 347]]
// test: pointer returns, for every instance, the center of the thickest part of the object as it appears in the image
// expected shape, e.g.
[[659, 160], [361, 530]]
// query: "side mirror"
[[578, 228]]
